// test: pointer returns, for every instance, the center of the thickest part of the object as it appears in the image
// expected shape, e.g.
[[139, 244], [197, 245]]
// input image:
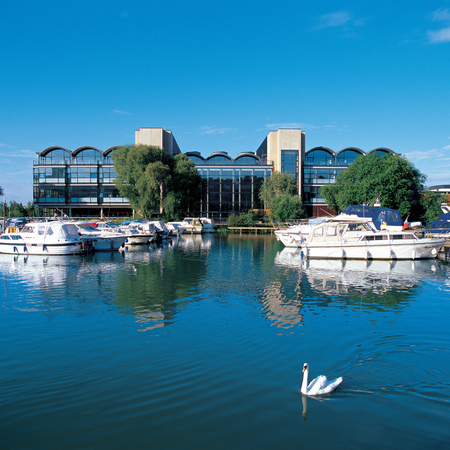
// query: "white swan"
[[319, 385]]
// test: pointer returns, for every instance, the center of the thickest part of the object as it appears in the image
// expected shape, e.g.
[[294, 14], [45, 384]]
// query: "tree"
[[431, 203], [153, 180], [285, 206], [390, 178], [1, 190], [279, 192]]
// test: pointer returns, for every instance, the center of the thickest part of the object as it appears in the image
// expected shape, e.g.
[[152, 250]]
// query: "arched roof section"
[[347, 155], [219, 158], [353, 149], [84, 148], [326, 149], [381, 151], [247, 158], [46, 151], [110, 150], [320, 156]]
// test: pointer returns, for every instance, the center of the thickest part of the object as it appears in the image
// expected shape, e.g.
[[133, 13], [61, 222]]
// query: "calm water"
[[200, 344]]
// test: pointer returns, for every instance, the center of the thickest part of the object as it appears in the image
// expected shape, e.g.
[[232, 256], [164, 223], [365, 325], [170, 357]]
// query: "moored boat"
[[96, 240], [353, 237], [43, 238]]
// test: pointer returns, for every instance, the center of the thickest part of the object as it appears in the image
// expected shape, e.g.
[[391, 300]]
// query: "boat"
[[160, 230], [296, 232], [352, 237], [440, 227], [137, 235], [97, 240], [175, 228], [43, 238], [381, 218], [207, 225], [192, 225]]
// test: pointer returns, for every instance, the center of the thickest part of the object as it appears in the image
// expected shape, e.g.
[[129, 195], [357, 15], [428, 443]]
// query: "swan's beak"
[[304, 368]]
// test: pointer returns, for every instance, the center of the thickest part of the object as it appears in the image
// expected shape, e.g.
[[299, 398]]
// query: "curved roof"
[[110, 150], [247, 155], [353, 149], [86, 147], [382, 149], [195, 154], [326, 149], [219, 155], [46, 151]]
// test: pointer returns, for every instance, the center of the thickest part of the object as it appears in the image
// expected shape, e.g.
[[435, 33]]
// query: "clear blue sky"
[[221, 75]]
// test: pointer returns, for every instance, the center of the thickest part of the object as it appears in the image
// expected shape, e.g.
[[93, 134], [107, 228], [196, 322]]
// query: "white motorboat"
[[97, 240], [207, 225], [297, 232], [175, 228], [160, 230], [192, 225], [43, 238], [353, 237]]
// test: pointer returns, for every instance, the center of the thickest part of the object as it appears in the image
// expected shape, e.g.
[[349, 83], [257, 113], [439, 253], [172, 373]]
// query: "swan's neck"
[[304, 388]]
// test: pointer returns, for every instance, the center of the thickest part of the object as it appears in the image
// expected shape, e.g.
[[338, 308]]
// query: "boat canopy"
[[378, 214]]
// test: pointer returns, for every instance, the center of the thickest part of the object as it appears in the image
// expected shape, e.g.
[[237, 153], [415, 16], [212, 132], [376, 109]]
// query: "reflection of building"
[[81, 182]]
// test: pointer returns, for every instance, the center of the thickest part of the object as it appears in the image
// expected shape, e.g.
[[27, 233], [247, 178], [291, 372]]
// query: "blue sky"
[[221, 75]]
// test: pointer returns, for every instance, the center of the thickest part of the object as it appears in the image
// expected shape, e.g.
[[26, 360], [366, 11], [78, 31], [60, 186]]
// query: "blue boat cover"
[[378, 214]]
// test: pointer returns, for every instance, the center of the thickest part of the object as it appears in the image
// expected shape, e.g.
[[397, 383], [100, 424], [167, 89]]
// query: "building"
[[81, 182]]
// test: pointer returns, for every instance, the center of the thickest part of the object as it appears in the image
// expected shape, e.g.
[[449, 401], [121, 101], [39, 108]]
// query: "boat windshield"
[[70, 230]]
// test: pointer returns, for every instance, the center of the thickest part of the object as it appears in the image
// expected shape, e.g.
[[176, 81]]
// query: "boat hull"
[[22, 248], [417, 249]]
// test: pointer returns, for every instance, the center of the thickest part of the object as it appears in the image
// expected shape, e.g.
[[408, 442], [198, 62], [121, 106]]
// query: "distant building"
[[81, 182]]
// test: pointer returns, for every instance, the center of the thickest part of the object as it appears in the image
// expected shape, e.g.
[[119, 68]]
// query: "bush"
[[241, 220]]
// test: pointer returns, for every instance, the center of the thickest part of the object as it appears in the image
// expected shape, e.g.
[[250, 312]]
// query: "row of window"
[[71, 174]]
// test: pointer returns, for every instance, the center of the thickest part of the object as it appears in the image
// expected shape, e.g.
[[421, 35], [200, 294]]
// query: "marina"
[[200, 342]]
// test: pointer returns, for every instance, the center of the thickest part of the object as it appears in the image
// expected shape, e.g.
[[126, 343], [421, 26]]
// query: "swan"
[[319, 385]]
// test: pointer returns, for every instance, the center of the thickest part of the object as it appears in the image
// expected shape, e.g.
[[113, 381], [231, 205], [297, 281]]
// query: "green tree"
[[152, 180], [16, 209], [279, 193], [285, 206], [390, 178], [184, 189], [431, 203], [244, 219]]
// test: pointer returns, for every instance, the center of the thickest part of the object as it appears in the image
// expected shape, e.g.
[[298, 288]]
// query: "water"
[[200, 344]]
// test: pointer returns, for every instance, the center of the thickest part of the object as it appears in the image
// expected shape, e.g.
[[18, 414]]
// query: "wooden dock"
[[252, 229]]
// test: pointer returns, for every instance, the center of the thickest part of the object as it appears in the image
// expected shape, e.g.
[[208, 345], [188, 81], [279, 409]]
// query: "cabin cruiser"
[[137, 234], [175, 228], [297, 231], [439, 228], [192, 225], [381, 218], [352, 237], [207, 225], [43, 238], [133, 236], [97, 240]]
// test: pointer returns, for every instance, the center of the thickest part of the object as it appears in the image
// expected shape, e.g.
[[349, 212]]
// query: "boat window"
[[70, 230], [15, 237], [27, 230], [318, 232], [49, 231], [5, 236], [41, 229]]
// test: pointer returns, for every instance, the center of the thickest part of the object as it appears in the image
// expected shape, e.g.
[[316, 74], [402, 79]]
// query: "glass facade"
[[78, 181], [289, 162], [232, 189], [315, 175], [84, 178]]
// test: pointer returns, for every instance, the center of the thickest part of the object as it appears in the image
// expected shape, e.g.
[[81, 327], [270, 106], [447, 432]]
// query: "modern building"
[[81, 182]]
